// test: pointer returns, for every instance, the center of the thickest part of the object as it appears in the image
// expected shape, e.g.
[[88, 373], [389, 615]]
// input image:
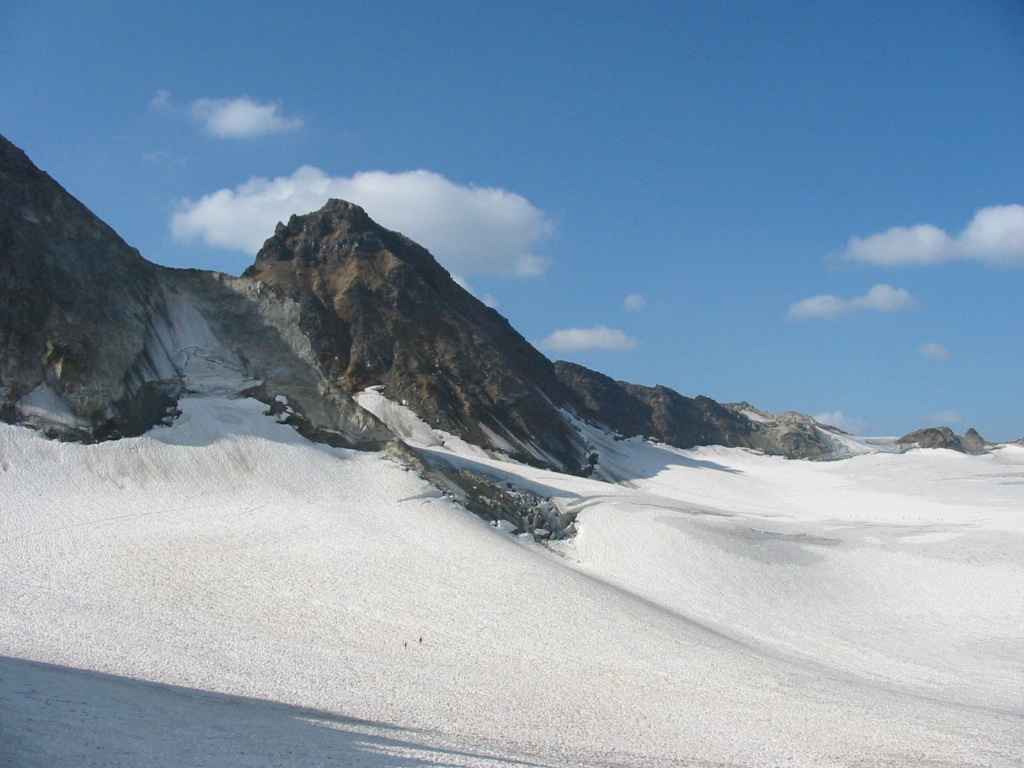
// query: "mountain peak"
[[944, 437], [335, 216], [73, 309], [381, 311], [333, 234]]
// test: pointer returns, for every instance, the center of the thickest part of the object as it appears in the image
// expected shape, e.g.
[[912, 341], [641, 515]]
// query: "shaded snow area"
[[401, 420], [222, 592]]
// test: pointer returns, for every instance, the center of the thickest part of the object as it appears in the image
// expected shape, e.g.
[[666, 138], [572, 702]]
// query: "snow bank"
[[723, 607]]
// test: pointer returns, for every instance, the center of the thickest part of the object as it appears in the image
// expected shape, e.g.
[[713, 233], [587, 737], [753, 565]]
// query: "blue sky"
[[668, 193]]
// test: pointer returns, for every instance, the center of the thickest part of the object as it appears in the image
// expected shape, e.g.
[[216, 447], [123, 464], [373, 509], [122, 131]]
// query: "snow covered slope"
[[224, 592]]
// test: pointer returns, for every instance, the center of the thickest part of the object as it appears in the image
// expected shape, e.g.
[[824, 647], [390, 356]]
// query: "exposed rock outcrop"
[[972, 442], [97, 343], [278, 364], [944, 437]]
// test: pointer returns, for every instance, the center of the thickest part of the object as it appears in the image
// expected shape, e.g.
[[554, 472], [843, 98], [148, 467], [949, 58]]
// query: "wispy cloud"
[[935, 351], [634, 302], [470, 229], [162, 156], [241, 118], [162, 101], [881, 298], [995, 235], [598, 337], [846, 423]]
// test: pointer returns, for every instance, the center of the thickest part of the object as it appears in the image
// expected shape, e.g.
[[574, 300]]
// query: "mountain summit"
[[96, 343], [381, 311]]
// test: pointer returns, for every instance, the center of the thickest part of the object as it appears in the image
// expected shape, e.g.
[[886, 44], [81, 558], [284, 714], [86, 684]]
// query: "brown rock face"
[[658, 412], [381, 311]]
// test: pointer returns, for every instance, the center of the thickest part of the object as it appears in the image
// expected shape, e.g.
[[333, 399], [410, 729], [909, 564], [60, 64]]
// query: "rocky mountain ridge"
[[665, 415], [97, 343]]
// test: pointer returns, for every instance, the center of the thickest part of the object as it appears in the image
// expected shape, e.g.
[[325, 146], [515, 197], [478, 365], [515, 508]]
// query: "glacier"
[[222, 591]]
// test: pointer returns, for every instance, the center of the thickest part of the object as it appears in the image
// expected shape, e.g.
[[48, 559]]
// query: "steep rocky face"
[[249, 339], [75, 309], [381, 311], [685, 422], [96, 342], [974, 442]]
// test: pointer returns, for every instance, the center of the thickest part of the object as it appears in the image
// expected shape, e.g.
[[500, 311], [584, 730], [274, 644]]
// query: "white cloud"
[[240, 118], [935, 351], [635, 302], [885, 298], [844, 422], [881, 298], [162, 101], [825, 306], [598, 337], [995, 235], [530, 265], [469, 229], [944, 419]]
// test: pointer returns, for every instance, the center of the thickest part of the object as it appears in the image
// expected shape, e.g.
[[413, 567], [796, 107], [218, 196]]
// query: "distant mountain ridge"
[[96, 343], [944, 437], [684, 422]]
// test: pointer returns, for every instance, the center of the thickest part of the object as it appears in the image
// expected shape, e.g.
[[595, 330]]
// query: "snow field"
[[906, 570], [226, 554]]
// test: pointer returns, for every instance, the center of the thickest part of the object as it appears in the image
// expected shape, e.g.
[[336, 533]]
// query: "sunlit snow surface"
[[222, 592]]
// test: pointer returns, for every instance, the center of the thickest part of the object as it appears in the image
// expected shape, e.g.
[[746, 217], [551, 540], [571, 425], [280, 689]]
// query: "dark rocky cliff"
[[98, 343], [381, 311], [75, 308]]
